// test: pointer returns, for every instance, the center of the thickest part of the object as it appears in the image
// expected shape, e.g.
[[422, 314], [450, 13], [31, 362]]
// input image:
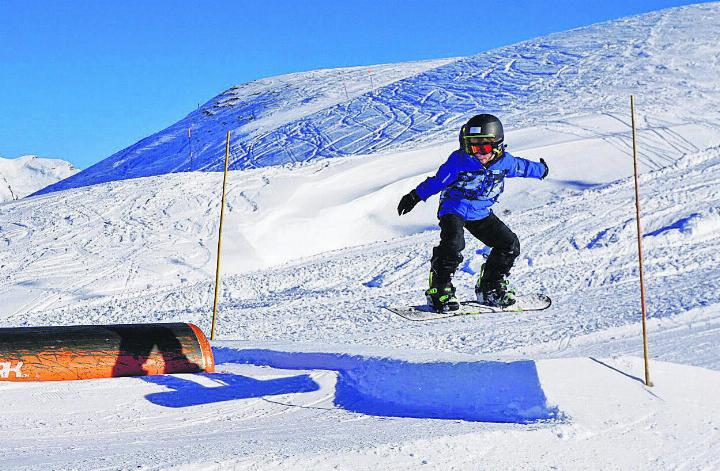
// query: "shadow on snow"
[[484, 391], [189, 393]]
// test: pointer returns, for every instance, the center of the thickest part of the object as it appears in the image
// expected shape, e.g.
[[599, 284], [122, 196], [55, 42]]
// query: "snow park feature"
[[313, 371], [102, 351], [476, 391]]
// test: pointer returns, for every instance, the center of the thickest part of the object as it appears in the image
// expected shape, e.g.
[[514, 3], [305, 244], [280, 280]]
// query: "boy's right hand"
[[408, 202]]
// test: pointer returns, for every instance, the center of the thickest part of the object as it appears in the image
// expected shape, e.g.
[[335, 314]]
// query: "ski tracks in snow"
[[154, 263]]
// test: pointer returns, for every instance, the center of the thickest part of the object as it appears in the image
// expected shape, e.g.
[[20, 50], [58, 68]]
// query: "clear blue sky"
[[82, 79]]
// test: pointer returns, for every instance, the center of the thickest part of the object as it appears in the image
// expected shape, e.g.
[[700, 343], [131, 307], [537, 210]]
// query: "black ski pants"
[[491, 231]]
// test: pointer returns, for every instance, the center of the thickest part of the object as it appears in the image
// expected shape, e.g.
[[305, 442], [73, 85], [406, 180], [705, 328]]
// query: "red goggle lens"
[[482, 149]]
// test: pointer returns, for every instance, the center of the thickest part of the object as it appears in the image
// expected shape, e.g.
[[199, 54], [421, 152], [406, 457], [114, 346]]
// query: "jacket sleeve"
[[525, 168], [445, 176]]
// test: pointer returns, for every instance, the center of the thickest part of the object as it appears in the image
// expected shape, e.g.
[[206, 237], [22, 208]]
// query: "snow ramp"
[[487, 391]]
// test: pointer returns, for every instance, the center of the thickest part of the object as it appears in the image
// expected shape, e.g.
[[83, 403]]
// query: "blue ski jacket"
[[469, 189]]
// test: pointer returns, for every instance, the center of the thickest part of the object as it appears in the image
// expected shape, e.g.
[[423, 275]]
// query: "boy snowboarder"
[[471, 180]]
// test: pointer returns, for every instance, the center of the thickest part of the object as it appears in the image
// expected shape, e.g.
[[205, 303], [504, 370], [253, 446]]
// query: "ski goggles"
[[481, 147]]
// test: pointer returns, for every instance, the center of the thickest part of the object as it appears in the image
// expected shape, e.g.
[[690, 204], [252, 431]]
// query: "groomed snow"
[[329, 411]]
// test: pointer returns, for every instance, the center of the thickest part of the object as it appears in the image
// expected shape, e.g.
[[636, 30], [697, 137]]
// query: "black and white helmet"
[[482, 125]]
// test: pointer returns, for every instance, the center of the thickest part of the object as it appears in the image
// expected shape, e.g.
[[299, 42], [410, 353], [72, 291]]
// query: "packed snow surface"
[[315, 373], [27, 174], [278, 409]]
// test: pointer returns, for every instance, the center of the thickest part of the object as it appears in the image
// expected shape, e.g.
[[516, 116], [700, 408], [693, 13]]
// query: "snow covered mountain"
[[314, 372], [27, 174], [665, 58]]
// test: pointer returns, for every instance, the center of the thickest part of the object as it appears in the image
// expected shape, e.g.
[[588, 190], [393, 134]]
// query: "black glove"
[[547, 169], [408, 202]]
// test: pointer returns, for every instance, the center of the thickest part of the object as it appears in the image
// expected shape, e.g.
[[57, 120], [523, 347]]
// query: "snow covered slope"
[[274, 409], [144, 250], [28, 174], [667, 58], [295, 392]]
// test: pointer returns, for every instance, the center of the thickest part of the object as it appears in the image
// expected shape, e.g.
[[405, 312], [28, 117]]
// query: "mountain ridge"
[[26, 174], [656, 56]]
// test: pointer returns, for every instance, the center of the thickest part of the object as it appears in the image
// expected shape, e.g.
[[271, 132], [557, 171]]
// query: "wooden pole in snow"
[[640, 249], [219, 246], [190, 145]]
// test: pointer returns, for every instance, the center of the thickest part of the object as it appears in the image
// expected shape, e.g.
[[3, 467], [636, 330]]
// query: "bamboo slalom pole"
[[640, 249], [219, 246]]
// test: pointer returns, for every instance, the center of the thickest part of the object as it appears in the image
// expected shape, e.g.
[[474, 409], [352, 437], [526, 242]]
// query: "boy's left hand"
[[547, 169]]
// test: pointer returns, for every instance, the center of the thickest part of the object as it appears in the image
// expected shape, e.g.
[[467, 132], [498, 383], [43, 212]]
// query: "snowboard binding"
[[494, 291], [442, 299]]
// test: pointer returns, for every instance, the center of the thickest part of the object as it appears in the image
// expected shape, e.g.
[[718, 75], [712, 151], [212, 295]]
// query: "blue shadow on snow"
[[681, 225], [187, 393], [485, 391]]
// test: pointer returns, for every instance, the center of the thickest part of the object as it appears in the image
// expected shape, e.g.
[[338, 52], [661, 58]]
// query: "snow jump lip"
[[61, 353], [477, 391]]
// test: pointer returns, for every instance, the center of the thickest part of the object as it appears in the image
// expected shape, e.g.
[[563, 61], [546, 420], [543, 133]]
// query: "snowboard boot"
[[442, 299], [494, 290], [441, 296]]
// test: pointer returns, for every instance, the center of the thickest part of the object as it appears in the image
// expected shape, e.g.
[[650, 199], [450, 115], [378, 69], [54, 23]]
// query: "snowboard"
[[524, 303]]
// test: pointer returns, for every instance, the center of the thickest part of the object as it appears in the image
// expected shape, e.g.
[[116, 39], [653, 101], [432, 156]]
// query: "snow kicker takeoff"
[[471, 180]]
